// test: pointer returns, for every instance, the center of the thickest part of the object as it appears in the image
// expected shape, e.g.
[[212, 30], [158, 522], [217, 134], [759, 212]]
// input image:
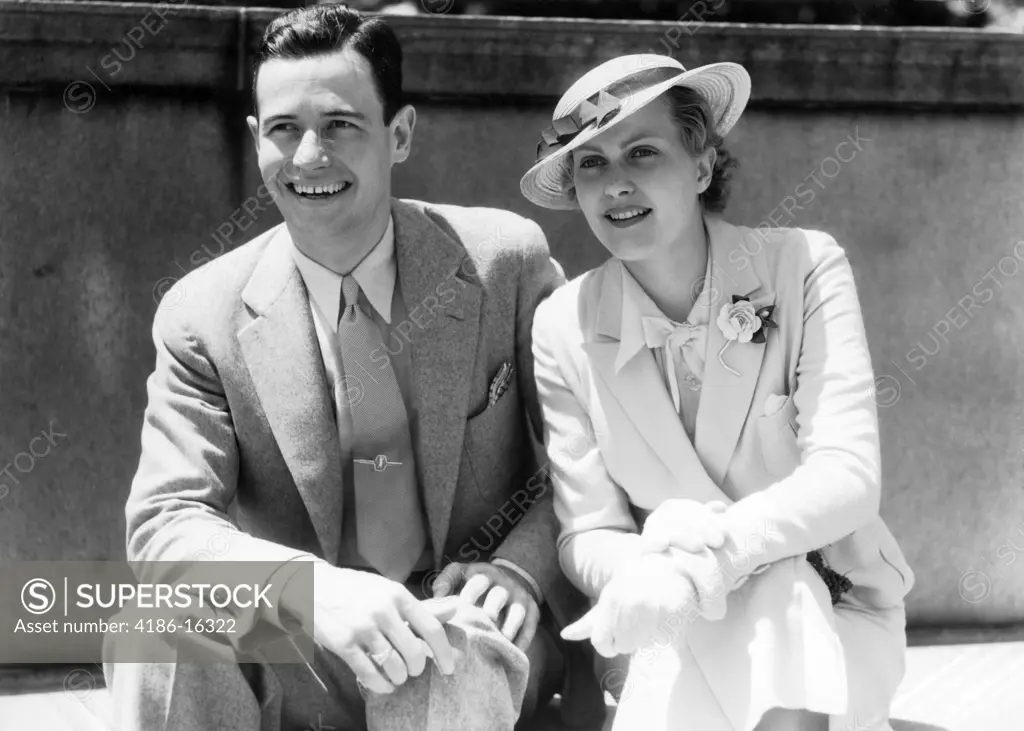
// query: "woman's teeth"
[[312, 190], [628, 214]]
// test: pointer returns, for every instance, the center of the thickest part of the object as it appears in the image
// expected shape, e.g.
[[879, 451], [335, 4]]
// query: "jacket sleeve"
[[597, 531], [836, 488], [530, 545], [187, 477]]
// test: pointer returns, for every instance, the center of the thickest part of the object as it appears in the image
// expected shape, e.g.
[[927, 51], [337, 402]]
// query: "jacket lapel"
[[639, 388], [283, 356], [433, 277], [725, 396]]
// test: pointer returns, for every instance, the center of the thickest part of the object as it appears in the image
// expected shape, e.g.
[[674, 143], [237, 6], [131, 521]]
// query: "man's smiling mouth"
[[318, 192]]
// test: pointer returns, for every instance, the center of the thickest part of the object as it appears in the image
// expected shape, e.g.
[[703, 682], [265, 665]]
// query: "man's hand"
[[506, 600], [685, 524], [378, 627], [638, 600]]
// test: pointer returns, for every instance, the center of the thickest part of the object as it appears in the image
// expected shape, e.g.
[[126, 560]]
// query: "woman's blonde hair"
[[691, 113]]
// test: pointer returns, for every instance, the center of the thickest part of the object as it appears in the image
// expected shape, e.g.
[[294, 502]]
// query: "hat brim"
[[726, 86]]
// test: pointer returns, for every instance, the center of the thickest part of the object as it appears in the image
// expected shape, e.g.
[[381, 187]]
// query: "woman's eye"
[[643, 152], [589, 162]]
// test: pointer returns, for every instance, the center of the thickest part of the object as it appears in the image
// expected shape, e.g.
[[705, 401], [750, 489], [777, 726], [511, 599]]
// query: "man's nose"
[[311, 151]]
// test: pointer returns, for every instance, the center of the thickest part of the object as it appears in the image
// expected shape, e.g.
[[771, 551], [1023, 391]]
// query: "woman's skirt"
[[781, 644]]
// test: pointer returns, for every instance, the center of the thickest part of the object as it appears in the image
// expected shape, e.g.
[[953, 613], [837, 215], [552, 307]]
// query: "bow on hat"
[[600, 109]]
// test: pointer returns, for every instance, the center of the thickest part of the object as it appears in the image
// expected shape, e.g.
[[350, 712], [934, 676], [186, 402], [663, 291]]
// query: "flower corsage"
[[740, 321]]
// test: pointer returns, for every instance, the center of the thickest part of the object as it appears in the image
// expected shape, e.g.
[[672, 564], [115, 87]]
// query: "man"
[[358, 384]]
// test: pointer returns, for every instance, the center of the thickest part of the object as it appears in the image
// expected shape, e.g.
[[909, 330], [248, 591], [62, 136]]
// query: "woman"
[[707, 396]]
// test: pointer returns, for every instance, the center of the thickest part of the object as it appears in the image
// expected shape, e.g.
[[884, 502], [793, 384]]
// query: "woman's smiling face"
[[637, 184]]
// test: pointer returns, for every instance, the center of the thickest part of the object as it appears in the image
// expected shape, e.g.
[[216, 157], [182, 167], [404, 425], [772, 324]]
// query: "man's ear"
[[254, 130], [401, 129]]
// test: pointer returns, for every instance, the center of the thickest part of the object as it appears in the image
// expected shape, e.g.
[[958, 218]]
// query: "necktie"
[[660, 332], [389, 515]]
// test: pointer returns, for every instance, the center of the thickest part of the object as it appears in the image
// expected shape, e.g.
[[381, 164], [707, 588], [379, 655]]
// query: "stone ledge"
[[485, 57], [946, 688]]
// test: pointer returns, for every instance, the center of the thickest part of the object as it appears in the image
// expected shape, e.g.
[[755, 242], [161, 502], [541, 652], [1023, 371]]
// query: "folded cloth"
[[837, 583]]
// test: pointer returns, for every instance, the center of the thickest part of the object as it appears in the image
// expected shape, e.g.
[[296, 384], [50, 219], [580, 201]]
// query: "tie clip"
[[380, 462]]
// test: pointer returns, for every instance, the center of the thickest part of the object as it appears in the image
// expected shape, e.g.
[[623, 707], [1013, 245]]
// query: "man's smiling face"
[[324, 148]]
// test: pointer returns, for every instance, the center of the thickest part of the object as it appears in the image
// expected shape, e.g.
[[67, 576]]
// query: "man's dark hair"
[[319, 30]]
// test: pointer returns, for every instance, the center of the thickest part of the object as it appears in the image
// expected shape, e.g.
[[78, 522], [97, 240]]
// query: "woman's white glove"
[[675, 581], [685, 524], [688, 531], [646, 597]]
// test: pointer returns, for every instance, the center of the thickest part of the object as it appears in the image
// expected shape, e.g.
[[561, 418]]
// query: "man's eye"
[[643, 152], [340, 124], [286, 127]]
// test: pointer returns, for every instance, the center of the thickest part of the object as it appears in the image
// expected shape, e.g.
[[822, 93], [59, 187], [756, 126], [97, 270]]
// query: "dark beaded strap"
[[837, 583]]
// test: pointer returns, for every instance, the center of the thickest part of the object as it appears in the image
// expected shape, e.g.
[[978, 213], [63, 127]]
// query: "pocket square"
[[500, 383]]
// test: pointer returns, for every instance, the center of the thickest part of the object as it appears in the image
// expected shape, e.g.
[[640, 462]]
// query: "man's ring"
[[382, 657]]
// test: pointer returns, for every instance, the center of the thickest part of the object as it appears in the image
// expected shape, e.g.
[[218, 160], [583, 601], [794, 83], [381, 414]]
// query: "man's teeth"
[[319, 189], [628, 214]]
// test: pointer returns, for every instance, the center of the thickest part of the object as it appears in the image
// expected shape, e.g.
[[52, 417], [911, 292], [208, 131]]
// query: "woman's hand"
[[637, 603], [687, 525], [688, 532]]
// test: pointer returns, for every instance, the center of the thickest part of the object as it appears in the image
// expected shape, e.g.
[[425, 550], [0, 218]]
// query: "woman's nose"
[[619, 186]]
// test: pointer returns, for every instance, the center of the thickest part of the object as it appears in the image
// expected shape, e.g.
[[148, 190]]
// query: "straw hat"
[[608, 94]]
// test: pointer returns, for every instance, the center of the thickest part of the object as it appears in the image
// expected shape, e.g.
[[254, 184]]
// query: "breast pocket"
[[778, 436], [493, 443]]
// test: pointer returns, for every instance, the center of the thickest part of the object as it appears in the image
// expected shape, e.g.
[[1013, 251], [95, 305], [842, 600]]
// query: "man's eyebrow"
[[269, 121], [345, 113]]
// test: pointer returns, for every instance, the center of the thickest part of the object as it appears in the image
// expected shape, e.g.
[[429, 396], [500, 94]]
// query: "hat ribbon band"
[[598, 110]]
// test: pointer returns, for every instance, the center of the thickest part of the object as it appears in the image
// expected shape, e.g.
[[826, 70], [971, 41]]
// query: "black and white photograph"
[[512, 365]]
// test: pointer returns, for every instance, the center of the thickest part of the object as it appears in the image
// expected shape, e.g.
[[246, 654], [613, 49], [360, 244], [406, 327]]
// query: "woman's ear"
[[706, 168]]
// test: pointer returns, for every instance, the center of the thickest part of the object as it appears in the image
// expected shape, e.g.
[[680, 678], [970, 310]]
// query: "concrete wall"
[[104, 204]]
